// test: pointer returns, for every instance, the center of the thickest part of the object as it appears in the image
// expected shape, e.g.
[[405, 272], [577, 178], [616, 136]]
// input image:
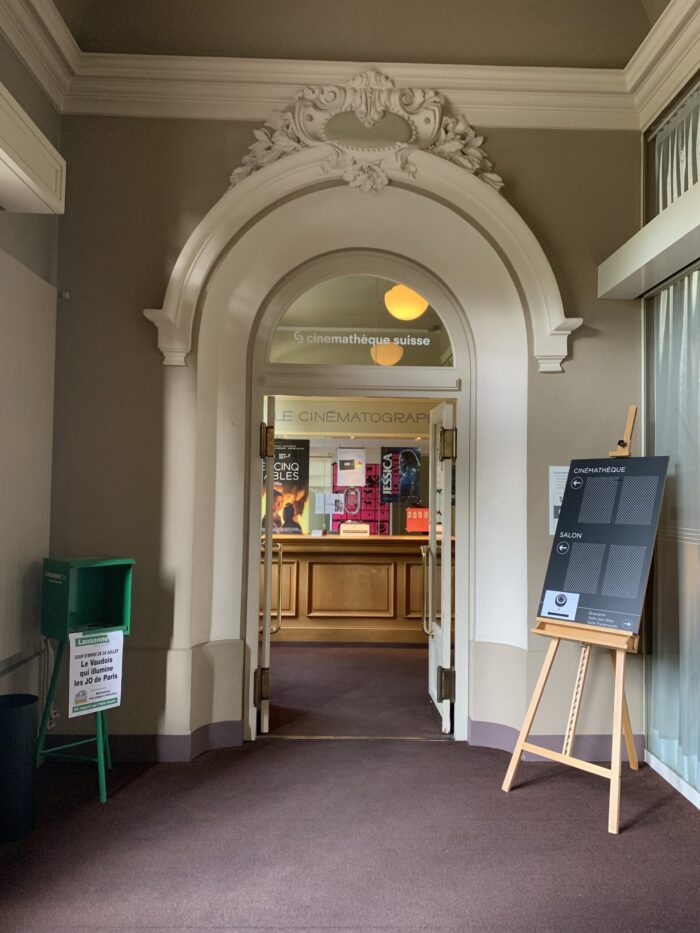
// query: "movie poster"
[[400, 477], [290, 497]]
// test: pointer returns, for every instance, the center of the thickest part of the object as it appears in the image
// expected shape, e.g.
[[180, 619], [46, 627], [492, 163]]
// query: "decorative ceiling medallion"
[[369, 127]]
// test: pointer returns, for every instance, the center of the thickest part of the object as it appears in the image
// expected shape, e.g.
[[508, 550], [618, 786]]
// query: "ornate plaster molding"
[[436, 178], [369, 126], [172, 343]]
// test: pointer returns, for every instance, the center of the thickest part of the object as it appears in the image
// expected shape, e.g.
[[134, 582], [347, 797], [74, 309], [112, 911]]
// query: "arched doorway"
[[440, 229]]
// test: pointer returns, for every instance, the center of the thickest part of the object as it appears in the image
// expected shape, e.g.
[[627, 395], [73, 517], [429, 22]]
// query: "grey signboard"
[[604, 541]]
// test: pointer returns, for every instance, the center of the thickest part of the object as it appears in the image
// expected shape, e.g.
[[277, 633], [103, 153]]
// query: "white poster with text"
[[557, 486], [351, 466], [95, 672]]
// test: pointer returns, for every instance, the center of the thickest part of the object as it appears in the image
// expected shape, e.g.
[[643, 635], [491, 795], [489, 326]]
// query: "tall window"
[[673, 375], [674, 409], [673, 152]]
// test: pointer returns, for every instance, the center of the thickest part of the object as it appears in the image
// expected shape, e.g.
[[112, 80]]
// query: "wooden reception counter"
[[349, 589]]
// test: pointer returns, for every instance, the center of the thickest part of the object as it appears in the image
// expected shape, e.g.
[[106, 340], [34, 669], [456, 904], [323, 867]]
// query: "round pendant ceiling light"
[[386, 354], [404, 304]]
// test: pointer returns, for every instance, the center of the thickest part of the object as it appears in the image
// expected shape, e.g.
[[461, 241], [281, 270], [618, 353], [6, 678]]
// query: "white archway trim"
[[458, 268], [433, 177]]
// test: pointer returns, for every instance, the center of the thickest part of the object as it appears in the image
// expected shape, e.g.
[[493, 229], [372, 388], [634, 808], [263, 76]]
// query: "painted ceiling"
[[553, 33]]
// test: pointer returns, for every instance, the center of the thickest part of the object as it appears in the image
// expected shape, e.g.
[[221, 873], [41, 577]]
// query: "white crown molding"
[[39, 36], [189, 87], [666, 60], [32, 173], [253, 89], [58, 34]]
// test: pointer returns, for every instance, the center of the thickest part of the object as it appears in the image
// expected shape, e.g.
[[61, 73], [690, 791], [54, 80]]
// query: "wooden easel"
[[618, 644]]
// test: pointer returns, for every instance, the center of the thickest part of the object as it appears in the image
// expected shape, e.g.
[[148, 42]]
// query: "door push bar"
[[274, 629], [277, 548], [425, 554]]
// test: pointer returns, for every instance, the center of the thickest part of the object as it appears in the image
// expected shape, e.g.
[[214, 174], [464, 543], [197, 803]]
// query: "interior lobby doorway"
[[357, 606], [483, 274]]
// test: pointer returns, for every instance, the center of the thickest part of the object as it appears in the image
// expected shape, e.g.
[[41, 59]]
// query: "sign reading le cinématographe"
[[603, 545]]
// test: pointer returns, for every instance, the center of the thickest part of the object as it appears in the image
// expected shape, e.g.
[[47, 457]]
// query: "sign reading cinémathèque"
[[601, 556]]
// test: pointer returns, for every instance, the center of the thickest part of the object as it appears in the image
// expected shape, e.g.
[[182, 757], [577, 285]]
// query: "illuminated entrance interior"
[[350, 514], [390, 439]]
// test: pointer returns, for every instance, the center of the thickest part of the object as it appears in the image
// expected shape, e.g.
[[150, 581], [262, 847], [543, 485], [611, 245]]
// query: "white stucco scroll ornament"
[[368, 126]]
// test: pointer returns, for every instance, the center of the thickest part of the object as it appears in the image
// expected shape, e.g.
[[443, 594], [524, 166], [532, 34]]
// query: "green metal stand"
[[49, 701], [103, 757]]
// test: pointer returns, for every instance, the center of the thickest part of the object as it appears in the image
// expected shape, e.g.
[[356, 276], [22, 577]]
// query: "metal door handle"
[[278, 550], [425, 558]]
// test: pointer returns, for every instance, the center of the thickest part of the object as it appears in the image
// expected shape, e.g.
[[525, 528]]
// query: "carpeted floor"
[[353, 836], [376, 834], [351, 690]]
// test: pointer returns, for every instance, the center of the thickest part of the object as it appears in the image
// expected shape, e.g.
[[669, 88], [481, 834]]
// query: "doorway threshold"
[[358, 738]]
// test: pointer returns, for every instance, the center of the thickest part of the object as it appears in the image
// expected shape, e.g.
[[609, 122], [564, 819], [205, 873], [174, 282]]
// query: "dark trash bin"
[[18, 727]]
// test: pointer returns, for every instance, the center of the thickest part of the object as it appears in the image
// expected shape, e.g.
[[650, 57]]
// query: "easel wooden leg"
[[616, 757], [531, 713], [627, 727]]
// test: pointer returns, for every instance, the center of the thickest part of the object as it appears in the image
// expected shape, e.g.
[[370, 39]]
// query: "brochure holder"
[[89, 596]]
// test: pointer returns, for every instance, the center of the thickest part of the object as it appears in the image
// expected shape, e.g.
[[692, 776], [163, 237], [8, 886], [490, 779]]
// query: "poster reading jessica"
[[290, 496], [400, 474]]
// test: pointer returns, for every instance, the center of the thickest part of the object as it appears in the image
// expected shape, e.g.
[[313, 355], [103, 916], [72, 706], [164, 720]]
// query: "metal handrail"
[[278, 549], [425, 558]]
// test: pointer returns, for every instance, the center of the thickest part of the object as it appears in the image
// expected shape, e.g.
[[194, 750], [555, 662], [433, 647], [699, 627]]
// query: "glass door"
[[440, 670], [262, 684]]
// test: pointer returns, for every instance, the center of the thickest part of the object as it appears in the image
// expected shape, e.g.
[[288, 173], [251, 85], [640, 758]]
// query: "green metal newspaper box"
[[88, 599], [84, 594]]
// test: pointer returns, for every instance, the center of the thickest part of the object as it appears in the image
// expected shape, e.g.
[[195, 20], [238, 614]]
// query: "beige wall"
[[139, 187], [580, 215], [28, 251], [28, 328], [579, 193], [27, 92], [27, 338]]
